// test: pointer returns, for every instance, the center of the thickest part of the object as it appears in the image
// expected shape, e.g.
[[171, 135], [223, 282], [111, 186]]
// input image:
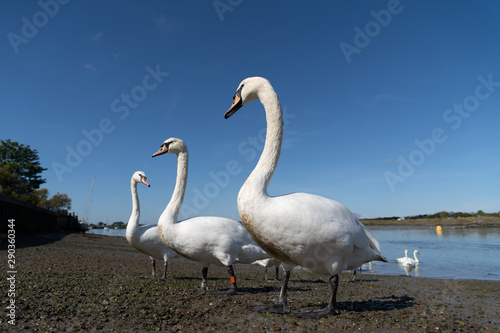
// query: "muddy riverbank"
[[84, 282]]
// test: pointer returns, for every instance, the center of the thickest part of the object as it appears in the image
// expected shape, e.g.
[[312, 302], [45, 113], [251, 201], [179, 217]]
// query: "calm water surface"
[[455, 253]]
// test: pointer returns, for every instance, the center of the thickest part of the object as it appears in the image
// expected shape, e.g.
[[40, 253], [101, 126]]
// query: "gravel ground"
[[83, 282]]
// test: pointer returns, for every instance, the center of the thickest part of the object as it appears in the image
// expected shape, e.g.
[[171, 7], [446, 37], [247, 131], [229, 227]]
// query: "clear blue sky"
[[393, 108]]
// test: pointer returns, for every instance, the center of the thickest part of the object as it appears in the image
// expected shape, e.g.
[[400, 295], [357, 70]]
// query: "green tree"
[[8, 180], [59, 203], [443, 214], [20, 167]]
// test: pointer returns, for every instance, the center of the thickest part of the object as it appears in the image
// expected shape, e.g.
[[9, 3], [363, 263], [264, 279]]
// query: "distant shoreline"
[[466, 222], [472, 222]]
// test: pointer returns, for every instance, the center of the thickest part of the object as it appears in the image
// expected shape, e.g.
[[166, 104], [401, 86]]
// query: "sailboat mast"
[[88, 198]]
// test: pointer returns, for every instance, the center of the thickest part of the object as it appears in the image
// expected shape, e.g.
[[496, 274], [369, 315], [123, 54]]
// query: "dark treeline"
[[440, 215]]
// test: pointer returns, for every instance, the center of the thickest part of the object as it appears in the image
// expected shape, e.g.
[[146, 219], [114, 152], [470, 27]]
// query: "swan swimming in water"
[[405, 261], [298, 229], [206, 239], [145, 238]]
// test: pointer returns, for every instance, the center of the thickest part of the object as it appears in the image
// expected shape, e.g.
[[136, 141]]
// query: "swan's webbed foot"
[[330, 309], [234, 287], [230, 291], [204, 274], [316, 314], [279, 308]]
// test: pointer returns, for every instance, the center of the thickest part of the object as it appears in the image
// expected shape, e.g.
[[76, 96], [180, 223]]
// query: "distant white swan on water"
[[405, 261]]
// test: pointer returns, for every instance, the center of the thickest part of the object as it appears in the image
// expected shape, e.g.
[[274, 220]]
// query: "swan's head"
[[172, 145], [248, 90], [140, 177]]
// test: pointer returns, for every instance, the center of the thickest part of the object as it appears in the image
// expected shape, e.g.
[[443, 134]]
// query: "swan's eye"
[[238, 92]]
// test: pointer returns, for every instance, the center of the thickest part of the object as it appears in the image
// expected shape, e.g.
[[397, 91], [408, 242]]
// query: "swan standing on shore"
[[405, 261], [298, 229], [145, 238], [269, 262], [208, 239]]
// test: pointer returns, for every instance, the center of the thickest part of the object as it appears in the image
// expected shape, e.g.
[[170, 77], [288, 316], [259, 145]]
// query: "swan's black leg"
[[334, 285], [204, 274], [165, 266], [232, 278], [277, 273], [153, 273], [234, 287], [282, 305], [330, 308]]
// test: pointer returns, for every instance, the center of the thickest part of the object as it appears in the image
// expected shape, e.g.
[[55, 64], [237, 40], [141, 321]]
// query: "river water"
[[454, 253]]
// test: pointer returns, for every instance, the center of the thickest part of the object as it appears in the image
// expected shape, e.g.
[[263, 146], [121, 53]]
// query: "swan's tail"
[[374, 245], [373, 242]]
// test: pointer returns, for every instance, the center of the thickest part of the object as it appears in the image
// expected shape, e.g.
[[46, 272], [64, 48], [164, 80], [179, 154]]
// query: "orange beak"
[[145, 182], [163, 150], [237, 104]]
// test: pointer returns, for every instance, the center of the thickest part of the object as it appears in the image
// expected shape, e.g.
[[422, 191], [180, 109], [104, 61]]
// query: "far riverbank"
[[472, 222]]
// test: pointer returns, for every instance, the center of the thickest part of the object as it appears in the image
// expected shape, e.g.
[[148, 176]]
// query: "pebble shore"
[[85, 283]]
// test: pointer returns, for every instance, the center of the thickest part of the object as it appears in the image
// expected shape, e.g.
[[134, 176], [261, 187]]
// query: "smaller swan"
[[409, 261], [145, 238], [403, 259], [269, 262], [205, 239]]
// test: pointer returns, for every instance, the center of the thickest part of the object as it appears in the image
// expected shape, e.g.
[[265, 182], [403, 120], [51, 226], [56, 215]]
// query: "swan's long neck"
[[169, 216], [261, 176], [133, 222], [415, 256]]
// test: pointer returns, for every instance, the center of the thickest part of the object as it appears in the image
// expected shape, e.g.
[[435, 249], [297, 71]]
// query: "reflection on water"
[[453, 253]]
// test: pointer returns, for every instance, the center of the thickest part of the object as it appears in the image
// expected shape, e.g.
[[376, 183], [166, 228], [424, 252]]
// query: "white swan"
[[409, 261], [403, 259], [269, 262], [298, 229], [208, 239], [145, 238]]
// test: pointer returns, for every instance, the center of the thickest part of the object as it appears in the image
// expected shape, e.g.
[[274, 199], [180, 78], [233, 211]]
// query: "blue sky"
[[392, 107]]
